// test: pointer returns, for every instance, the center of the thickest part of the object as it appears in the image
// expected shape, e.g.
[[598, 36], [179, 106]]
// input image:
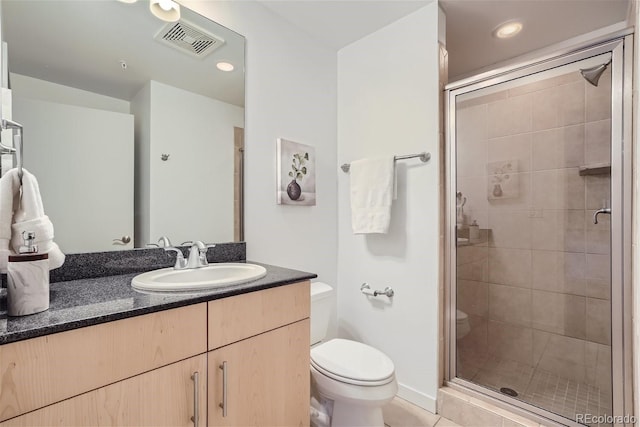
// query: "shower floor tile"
[[498, 373], [566, 397], [542, 388]]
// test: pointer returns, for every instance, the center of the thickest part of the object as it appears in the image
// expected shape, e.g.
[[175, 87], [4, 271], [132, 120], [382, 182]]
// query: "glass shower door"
[[533, 283]]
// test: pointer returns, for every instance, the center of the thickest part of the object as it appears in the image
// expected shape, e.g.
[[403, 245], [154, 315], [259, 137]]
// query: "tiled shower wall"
[[537, 291]]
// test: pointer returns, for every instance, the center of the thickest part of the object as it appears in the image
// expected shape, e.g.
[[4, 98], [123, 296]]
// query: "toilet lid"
[[461, 315], [352, 362]]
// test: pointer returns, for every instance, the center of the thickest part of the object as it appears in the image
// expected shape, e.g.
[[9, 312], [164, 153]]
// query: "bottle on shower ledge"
[[27, 279], [474, 231], [460, 216]]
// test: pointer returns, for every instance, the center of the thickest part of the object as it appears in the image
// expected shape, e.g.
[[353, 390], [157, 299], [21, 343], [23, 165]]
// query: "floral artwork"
[[502, 180], [296, 173]]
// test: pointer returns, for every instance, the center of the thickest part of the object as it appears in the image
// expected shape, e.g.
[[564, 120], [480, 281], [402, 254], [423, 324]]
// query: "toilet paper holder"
[[366, 289]]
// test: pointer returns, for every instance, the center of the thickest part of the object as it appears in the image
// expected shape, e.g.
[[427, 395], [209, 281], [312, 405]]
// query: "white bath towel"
[[22, 210], [372, 192]]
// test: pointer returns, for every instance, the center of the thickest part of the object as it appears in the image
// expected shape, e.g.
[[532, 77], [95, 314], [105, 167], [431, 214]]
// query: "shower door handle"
[[600, 211]]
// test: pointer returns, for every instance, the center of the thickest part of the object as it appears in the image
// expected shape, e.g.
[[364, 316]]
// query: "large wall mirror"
[[130, 126]]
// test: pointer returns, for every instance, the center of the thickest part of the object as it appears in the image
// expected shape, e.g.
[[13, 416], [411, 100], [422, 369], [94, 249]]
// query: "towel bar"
[[424, 157], [17, 142]]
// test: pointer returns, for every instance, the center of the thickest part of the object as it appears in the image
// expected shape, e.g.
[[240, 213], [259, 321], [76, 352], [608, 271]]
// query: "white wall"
[[388, 104], [197, 133], [290, 93], [190, 195], [83, 160], [30, 87]]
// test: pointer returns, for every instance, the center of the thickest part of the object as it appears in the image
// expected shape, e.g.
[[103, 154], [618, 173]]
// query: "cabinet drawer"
[[162, 397], [235, 318], [44, 370]]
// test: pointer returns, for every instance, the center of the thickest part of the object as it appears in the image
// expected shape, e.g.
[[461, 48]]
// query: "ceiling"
[[338, 23], [469, 24], [36, 44], [82, 43]]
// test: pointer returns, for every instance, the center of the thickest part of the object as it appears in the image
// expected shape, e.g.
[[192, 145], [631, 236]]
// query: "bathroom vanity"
[[233, 356]]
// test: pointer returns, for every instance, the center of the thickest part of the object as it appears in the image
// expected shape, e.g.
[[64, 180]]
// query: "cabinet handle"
[[196, 399], [223, 404]]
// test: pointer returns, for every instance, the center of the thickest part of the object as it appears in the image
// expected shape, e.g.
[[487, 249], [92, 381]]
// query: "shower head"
[[592, 75]]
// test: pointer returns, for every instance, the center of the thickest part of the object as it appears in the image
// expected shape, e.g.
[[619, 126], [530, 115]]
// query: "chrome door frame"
[[621, 48]]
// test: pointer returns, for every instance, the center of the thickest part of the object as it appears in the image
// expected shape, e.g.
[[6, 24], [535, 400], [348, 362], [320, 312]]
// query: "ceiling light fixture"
[[507, 29], [225, 66], [127, 1], [167, 10]]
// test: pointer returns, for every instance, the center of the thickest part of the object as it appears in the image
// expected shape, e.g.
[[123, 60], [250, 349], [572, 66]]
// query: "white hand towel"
[[23, 211], [372, 192], [9, 197]]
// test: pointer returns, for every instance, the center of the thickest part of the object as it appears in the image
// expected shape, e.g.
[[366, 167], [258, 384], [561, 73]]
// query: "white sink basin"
[[197, 279]]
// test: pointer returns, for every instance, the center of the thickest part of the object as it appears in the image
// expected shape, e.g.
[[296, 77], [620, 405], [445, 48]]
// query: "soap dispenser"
[[27, 279]]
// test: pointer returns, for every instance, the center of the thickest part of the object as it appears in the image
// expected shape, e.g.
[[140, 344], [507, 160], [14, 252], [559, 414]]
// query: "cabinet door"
[[267, 379], [162, 397]]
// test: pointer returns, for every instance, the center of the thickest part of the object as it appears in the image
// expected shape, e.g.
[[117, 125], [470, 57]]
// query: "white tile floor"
[[400, 413]]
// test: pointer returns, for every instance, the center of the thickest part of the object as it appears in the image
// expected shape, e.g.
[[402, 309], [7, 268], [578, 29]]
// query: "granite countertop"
[[90, 301]]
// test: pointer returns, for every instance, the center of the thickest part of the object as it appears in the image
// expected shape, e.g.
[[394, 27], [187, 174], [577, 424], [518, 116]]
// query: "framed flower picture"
[[502, 180], [296, 171]]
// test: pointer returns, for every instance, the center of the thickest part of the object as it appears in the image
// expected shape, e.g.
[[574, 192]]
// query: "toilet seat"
[[352, 362]]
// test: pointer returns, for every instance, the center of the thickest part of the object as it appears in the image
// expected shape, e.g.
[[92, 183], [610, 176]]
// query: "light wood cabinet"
[[45, 370], [235, 318], [162, 397], [267, 379], [138, 371]]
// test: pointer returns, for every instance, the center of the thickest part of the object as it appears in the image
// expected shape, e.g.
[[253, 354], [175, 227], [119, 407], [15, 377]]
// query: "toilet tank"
[[321, 304]]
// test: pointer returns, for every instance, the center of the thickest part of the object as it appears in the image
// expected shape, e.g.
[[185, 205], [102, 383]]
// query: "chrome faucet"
[[198, 255], [164, 242]]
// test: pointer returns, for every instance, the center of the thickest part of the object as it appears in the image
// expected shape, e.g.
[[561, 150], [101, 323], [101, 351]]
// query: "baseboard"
[[418, 398]]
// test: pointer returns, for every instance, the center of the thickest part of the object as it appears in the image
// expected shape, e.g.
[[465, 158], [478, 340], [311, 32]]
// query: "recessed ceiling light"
[[167, 10], [127, 1], [225, 66], [507, 29]]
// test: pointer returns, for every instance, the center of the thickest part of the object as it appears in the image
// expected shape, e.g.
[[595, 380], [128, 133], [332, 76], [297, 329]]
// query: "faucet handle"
[[180, 261], [202, 247], [202, 252], [164, 241]]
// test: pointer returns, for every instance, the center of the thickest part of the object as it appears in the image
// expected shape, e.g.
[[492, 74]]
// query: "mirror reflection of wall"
[[128, 136]]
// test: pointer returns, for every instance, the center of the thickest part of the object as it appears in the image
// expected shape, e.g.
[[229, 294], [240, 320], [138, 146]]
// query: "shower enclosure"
[[539, 233]]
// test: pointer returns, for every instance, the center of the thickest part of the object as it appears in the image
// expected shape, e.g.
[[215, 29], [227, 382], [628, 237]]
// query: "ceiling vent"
[[188, 38]]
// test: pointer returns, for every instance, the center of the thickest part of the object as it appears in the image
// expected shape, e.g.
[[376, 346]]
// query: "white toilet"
[[357, 378], [462, 324]]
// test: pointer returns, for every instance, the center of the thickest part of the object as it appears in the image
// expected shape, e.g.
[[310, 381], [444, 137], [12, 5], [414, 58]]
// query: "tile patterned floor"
[[566, 397], [541, 388], [400, 413]]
